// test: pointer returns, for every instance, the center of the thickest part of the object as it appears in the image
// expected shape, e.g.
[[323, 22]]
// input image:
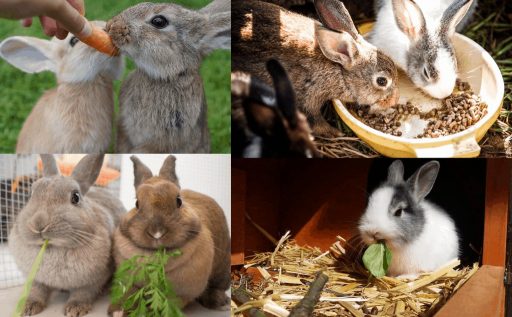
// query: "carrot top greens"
[[141, 287]]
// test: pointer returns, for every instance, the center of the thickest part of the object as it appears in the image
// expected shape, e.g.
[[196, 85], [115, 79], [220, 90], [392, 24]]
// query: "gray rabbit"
[[162, 103], [79, 221]]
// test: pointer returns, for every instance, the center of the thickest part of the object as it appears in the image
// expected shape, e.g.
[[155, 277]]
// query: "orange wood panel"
[[496, 212], [322, 199], [482, 295], [238, 196]]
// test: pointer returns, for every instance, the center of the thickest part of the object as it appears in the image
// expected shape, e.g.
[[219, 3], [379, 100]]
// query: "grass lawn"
[[20, 91]]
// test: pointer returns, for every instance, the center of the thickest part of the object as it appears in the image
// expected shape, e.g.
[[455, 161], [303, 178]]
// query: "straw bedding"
[[278, 280]]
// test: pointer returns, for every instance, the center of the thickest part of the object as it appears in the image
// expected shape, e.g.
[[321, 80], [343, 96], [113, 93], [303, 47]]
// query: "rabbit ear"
[[285, 94], [422, 181], [49, 165], [409, 18], [168, 170], [396, 172], [29, 54], [140, 171], [453, 15], [87, 171], [217, 6], [215, 34], [338, 47], [334, 15]]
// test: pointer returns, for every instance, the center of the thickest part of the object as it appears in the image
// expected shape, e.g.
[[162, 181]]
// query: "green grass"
[[19, 91]]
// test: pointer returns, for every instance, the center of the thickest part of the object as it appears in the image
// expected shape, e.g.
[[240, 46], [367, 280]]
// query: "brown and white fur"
[[162, 103], [166, 216], [79, 221], [77, 115], [324, 61]]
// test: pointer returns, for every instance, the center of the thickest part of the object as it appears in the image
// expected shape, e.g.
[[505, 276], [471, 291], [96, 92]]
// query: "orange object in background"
[[106, 176]]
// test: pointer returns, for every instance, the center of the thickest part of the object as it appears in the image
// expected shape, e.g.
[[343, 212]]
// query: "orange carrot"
[[100, 40]]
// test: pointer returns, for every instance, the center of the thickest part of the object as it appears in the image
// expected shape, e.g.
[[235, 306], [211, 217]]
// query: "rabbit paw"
[[76, 309], [215, 299], [33, 308], [325, 130]]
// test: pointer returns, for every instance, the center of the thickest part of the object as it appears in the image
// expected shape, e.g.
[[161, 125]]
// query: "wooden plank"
[[482, 295], [496, 212], [238, 196]]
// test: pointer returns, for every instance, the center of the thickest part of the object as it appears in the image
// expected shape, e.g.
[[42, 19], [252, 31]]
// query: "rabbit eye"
[[159, 22], [426, 73], [398, 212], [137, 204], [73, 41], [75, 198], [382, 81], [179, 202]]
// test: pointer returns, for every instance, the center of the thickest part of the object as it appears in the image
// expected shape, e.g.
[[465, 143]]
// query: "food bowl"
[[477, 68]]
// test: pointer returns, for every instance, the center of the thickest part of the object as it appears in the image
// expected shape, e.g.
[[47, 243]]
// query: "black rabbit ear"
[[87, 171], [396, 172], [49, 165], [409, 18], [284, 92], [140, 171], [422, 181], [245, 86], [335, 16], [168, 170], [453, 15]]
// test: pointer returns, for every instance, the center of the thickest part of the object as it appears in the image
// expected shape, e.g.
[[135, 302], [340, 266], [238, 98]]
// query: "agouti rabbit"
[[77, 115], [162, 103], [324, 61], [79, 221]]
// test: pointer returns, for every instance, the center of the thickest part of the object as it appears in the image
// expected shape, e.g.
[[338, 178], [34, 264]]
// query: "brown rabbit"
[[265, 121], [323, 61], [166, 216]]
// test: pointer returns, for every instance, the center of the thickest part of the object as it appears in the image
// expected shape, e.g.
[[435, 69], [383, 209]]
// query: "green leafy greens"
[[377, 258], [20, 307], [141, 287]]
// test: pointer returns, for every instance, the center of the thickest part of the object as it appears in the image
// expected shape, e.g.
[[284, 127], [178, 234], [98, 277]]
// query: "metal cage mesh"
[[17, 173]]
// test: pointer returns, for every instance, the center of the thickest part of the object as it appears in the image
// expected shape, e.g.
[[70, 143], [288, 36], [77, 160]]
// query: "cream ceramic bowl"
[[478, 68]]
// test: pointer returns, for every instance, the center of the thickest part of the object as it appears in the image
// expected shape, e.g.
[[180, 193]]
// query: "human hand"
[[57, 16]]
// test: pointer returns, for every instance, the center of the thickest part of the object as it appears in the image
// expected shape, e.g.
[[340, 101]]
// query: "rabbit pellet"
[[460, 110]]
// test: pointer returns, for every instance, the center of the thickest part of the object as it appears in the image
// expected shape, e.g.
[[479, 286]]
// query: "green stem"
[[20, 307]]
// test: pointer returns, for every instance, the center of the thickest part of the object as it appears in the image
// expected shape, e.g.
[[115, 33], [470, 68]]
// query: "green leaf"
[[377, 259], [20, 307]]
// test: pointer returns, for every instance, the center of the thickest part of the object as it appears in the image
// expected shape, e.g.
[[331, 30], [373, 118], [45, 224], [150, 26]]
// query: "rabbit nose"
[[157, 234], [39, 228]]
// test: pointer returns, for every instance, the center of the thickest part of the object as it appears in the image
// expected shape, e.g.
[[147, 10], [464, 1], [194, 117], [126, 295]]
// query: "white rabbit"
[[417, 35], [421, 236], [77, 115]]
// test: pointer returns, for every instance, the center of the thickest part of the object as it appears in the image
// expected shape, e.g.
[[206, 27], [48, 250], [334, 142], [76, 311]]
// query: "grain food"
[[462, 109]]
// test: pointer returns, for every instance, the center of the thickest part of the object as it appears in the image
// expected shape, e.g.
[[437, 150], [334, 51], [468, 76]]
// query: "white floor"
[[9, 298]]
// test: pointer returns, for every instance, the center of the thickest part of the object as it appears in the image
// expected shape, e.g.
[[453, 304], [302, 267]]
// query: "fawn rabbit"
[[323, 61], [162, 103], [79, 221], [75, 117], [421, 236], [417, 35], [266, 121], [166, 216]]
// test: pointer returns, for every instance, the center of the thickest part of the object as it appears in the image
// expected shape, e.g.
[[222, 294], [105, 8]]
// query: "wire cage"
[[17, 174]]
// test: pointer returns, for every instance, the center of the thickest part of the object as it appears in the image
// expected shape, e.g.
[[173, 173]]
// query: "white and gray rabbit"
[[162, 103], [417, 35], [77, 115], [79, 221], [421, 236]]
